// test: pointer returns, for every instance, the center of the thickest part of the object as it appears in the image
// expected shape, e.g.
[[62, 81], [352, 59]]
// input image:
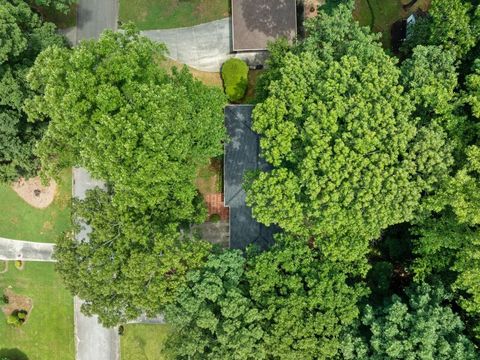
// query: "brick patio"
[[216, 205]]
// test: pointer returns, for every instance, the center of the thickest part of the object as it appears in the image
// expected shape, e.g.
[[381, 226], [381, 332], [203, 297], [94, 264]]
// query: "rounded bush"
[[215, 218], [235, 78]]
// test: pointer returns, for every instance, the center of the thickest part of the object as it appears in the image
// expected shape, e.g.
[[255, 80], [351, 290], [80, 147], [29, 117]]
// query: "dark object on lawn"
[[407, 7], [256, 67], [215, 218], [17, 318], [37, 192], [4, 299], [399, 34], [12, 354], [121, 330]]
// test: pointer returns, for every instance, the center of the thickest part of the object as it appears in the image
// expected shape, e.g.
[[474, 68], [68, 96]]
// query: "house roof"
[[256, 22], [241, 155]]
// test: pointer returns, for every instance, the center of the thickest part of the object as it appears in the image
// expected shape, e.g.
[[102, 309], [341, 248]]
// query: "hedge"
[[235, 78]]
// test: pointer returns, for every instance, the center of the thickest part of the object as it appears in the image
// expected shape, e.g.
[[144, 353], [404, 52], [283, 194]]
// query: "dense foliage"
[[453, 24], [118, 114], [22, 37], [349, 157], [63, 6], [130, 264], [374, 184], [144, 131], [289, 302], [375, 164], [421, 327]]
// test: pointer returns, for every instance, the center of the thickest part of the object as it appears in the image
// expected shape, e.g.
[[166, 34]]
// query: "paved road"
[[25, 250], [204, 47], [94, 16], [93, 341]]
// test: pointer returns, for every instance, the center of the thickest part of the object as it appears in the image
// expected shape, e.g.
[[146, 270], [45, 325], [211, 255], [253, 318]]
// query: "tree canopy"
[[22, 37], [116, 112], [453, 24], [63, 6], [420, 327], [143, 130], [349, 158], [286, 303], [131, 263]]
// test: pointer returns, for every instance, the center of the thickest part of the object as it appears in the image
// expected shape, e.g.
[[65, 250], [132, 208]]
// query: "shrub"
[[12, 319], [214, 218], [18, 264], [235, 79], [17, 318]]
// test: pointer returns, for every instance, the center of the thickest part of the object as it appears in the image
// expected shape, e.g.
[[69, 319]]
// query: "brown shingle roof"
[[256, 22]]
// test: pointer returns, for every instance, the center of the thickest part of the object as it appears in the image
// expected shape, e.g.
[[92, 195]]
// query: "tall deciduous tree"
[[306, 300], [131, 263], [450, 242], [453, 24], [118, 114], [348, 157], [22, 37], [286, 303], [422, 327]]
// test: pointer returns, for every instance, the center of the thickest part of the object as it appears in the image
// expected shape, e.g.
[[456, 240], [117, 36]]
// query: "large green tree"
[[116, 112], [349, 158], [450, 242], [213, 316], [422, 327], [305, 300], [22, 37], [453, 24], [131, 263], [289, 302]]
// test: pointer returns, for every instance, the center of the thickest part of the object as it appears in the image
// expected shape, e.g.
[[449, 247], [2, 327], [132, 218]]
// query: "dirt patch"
[[208, 78], [311, 8], [209, 178], [34, 193], [47, 225], [17, 302]]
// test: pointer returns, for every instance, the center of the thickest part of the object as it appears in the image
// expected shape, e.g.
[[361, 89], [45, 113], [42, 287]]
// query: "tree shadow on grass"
[[12, 354]]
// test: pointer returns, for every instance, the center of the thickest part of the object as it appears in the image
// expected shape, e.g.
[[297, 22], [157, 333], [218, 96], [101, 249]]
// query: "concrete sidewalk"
[[25, 250]]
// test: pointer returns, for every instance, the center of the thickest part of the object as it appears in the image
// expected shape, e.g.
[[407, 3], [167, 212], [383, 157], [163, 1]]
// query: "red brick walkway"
[[216, 205]]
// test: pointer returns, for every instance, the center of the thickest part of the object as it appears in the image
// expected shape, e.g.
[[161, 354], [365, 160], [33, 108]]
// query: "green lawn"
[[166, 14], [143, 342], [20, 221], [48, 333], [380, 15]]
